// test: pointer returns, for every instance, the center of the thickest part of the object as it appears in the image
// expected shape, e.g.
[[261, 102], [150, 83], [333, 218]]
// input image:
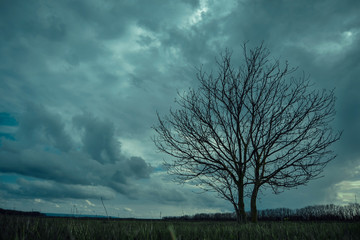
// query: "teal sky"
[[81, 81]]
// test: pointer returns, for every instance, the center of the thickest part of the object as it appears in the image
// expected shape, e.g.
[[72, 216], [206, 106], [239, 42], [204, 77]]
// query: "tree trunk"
[[240, 213], [254, 217]]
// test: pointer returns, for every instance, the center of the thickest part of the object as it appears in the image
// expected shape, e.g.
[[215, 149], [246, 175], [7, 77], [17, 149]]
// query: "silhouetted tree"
[[248, 127], [288, 127]]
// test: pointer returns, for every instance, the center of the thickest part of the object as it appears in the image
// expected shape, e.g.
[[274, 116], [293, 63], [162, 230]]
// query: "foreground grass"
[[15, 227]]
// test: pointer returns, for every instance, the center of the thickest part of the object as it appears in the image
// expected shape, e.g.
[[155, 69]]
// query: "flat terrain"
[[29, 227]]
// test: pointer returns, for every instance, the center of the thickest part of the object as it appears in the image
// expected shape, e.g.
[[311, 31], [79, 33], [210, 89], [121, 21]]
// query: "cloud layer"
[[43, 149], [80, 82]]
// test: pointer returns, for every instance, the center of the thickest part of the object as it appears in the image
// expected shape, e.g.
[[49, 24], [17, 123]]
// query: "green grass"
[[16, 227]]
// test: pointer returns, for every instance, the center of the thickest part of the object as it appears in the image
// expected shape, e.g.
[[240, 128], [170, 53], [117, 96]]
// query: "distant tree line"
[[330, 212], [21, 213], [314, 213]]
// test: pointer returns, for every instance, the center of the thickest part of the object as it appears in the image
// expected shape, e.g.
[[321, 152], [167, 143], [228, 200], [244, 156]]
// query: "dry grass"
[[16, 227]]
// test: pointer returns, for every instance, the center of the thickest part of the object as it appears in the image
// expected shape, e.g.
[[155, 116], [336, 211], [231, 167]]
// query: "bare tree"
[[246, 128], [288, 127]]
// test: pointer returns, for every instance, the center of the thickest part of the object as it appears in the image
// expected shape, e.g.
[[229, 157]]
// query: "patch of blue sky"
[[7, 119], [8, 178], [7, 136], [13, 177], [159, 169], [51, 149], [7, 126]]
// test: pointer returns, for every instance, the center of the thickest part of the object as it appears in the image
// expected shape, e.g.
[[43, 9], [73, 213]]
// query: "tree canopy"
[[249, 127]]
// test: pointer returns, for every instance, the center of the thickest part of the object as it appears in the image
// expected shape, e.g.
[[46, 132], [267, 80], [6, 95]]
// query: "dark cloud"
[[46, 163], [168, 195], [53, 190], [138, 167], [43, 149], [28, 20], [42, 127], [134, 167], [98, 138]]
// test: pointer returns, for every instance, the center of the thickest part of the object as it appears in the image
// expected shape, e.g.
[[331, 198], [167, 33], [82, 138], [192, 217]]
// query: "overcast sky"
[[81, 81]]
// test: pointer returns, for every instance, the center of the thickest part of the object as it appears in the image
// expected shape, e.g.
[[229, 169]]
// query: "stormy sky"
[[81, 81]]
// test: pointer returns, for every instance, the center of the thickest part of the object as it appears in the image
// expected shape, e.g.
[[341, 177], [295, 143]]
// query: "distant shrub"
[[328, 212]]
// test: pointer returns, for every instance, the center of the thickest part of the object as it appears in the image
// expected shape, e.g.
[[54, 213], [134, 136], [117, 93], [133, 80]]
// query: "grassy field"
[[17, 227]]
